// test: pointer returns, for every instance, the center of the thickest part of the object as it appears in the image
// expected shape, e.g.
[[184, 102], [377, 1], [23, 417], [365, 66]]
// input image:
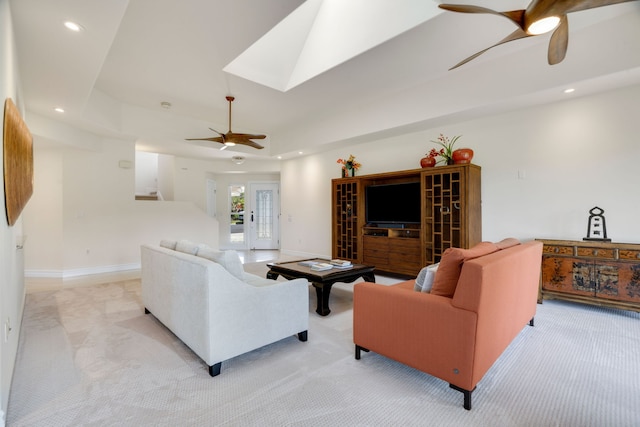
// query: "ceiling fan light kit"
[[543, 25], [540, 17]]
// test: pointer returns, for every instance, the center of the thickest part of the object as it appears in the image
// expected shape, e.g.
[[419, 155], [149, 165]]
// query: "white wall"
[[572, 156], [146, 172], [11, 258], [84, 219], [166, 175]]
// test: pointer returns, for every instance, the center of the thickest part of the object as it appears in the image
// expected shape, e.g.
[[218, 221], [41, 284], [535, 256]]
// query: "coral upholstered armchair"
[[481, 299]]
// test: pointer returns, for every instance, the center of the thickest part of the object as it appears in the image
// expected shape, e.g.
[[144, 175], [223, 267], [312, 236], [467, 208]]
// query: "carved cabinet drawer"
[[629, 254], [558, 250], [604, 253]]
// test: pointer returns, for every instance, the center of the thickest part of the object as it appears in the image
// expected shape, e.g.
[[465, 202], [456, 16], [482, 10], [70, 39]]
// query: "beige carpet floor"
[[89, 356]]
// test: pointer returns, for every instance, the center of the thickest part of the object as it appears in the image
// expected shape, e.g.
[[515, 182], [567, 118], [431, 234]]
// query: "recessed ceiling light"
[[569, 90], [59, 109], [279, 157], [299, 152], [73, 26]]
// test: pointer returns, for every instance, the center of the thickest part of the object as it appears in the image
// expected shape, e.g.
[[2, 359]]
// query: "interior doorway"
[[236, 217]]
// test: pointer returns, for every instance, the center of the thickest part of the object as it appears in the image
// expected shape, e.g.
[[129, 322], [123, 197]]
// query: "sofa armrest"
[[244, 317], [502, 288], [421, 330]]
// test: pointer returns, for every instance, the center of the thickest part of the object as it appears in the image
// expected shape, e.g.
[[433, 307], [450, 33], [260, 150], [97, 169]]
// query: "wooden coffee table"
[[321, 280]]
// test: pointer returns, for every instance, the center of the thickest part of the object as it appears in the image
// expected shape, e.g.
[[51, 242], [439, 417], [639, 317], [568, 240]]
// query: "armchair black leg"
[[303, 336], [467, 396], [146, 311], [214, 370], [358, 349], [531, 322]]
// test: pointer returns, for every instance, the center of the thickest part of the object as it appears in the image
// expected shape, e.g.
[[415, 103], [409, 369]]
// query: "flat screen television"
[[393, 204]]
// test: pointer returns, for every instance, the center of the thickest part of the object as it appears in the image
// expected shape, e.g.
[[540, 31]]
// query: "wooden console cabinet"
[[450, 212], [598, 273]]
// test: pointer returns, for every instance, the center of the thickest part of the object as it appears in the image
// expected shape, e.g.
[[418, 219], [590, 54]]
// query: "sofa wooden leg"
[[358, 349], [467, 396], [303, 336], [531, 322], [214, 370]]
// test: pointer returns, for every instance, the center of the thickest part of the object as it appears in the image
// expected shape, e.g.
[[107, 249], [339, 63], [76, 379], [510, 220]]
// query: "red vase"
[[462, 156], [427, 162]]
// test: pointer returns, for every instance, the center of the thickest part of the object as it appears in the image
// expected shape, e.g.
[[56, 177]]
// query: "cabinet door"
[[345, 216], [570, 275], [618, 280], [443, 211]]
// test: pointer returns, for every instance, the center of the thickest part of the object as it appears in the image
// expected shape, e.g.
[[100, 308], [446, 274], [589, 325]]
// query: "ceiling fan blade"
[[248, 136], [559, 42], [516, 16], [221, 134], [578, 5], [516, 35], [212, 139], [250, 144]]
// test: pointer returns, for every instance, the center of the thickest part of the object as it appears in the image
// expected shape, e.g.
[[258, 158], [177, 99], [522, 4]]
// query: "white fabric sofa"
[[216, 308]]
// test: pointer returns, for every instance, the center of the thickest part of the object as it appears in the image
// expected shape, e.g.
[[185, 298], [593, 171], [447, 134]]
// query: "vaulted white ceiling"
[[320, 73]]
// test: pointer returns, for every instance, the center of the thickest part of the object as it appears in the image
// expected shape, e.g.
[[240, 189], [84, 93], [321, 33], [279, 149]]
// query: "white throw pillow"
[[424, 281], [228, 259], [187, 246], [169, 244]]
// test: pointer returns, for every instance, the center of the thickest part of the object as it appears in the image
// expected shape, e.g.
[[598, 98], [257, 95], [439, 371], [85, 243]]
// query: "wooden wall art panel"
[[18, 162]]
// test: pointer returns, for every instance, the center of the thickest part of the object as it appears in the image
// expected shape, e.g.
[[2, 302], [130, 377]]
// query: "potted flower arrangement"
[[349, 166], [448, 154]]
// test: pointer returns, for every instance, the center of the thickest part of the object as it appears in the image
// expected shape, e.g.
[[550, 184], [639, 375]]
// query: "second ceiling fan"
[[231, 138], [541, 16]]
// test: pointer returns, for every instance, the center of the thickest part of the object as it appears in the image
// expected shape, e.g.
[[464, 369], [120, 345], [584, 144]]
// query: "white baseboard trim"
[[88, 271], [304, 254]]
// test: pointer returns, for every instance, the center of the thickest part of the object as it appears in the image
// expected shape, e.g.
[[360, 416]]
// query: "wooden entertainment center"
[[450, 216]]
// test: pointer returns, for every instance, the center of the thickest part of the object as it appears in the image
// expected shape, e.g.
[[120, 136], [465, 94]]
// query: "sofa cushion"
[[448, 272], [169, 244], [257, 281], [187, 246], [507, 243], [424, 281], [228, 259]]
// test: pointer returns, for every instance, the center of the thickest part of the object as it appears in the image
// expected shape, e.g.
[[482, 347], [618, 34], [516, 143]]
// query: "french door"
[[263, 219]]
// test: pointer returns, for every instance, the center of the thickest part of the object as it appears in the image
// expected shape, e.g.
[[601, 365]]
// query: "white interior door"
[[263, 219]]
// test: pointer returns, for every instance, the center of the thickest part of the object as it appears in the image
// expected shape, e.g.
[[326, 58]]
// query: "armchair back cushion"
[[446, 279]]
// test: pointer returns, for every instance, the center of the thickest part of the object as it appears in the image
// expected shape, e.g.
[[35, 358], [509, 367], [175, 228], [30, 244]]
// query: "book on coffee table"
[[321, 266], [307, 263]]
